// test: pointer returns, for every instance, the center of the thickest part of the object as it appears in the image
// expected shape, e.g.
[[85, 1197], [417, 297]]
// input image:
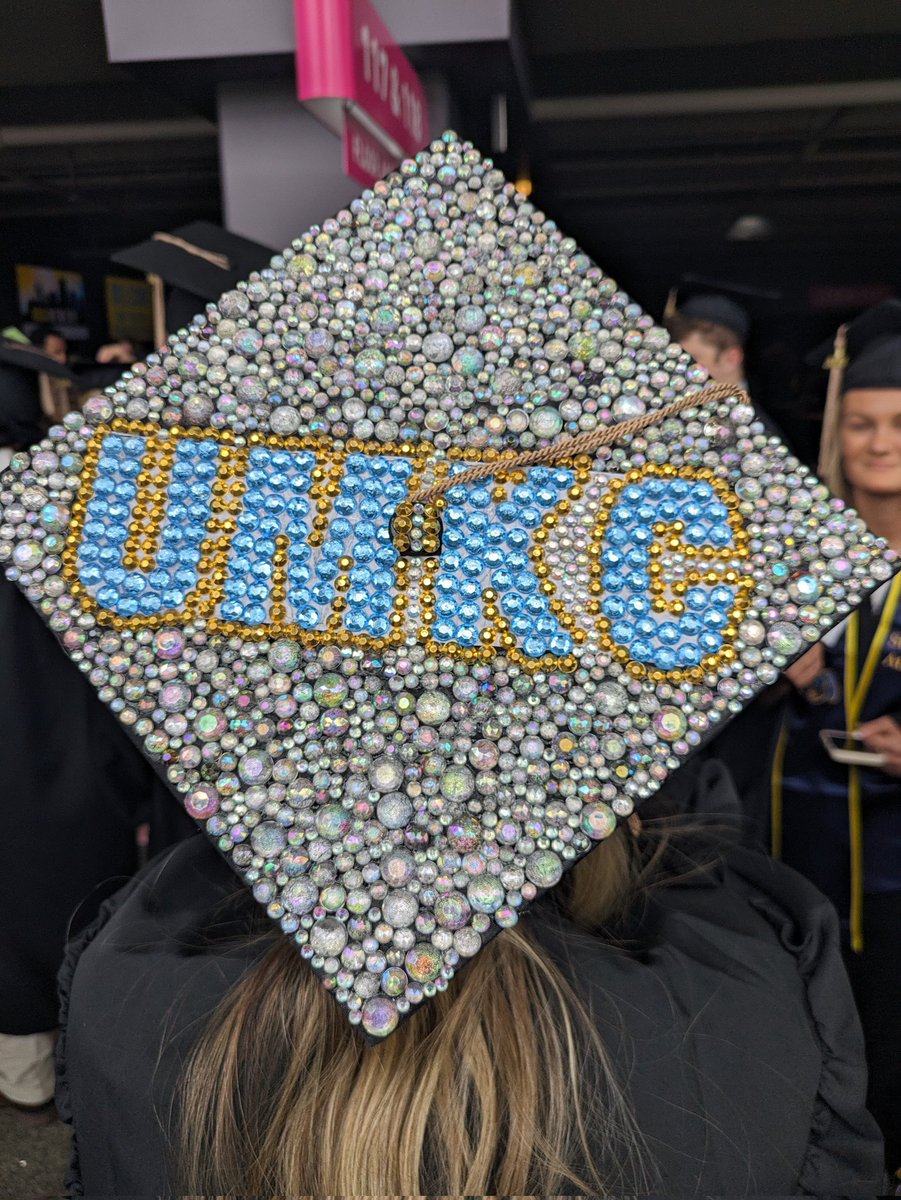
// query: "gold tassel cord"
[[583, 443], [776, 772], [215, 260], [837, 363], [856, 689]]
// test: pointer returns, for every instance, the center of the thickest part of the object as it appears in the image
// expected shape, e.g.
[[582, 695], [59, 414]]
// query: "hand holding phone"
[[843, 746], [882, 736]]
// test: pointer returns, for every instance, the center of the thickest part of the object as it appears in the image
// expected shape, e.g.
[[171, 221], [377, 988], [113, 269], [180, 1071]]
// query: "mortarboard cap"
[[24, 357], [415, 777], [864, 353], [197, 262], [89, 373], [21, 366], [714, 300], [867, 349], [719, 310], [92, 375]]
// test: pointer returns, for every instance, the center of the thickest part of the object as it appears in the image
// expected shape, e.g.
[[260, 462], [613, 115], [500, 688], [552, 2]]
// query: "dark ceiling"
[[651, 136], [647, 130]]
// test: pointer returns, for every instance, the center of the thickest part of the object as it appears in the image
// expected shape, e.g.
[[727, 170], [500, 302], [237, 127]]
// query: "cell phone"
[[845, 747]]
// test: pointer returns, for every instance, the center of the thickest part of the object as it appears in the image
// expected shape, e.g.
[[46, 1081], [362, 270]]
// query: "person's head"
[[870, 440], [861, 438], [713, 328], [714, 347], [55, 345], [490, 1089]]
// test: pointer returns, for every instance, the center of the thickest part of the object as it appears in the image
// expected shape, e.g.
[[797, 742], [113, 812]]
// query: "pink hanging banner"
[[346, 53], [365, 158]]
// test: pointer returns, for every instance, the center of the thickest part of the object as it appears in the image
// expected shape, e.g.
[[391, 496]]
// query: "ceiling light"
[[750, 227]]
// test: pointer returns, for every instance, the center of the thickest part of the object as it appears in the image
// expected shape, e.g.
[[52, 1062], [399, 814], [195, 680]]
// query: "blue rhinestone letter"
[[371, 489], [669, 535], [138, 569], [276, 504], [486, 545]]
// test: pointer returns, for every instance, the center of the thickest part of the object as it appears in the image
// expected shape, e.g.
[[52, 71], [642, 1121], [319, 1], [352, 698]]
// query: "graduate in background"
[[187, 266], [75, 793], [711, 326], [27, 375], [837, 816], [712, 321], [78, 792]]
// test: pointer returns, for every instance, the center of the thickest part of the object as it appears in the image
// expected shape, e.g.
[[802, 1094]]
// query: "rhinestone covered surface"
[[400, 722]]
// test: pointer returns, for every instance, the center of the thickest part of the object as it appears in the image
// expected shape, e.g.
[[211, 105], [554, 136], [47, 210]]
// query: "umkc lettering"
[[287, 537]]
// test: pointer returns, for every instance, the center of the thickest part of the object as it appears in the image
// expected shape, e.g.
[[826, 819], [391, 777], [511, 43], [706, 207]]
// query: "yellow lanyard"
[[776, 788], [856, 691]]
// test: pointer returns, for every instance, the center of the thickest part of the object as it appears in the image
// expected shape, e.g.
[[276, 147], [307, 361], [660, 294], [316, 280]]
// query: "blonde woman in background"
[[839, 822]]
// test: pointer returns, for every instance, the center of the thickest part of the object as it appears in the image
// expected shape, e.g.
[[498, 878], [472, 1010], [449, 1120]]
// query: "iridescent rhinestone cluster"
[[401, 722]]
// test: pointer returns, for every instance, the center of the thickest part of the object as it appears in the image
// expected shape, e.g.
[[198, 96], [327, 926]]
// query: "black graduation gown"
[[728, 1019], [816, 835], [74, 789], [817, 819]]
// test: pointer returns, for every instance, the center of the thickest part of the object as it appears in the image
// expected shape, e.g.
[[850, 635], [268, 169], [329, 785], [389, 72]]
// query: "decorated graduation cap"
[[701, 299], [189, 266], [21, 368], [419, 565], [864, 354]]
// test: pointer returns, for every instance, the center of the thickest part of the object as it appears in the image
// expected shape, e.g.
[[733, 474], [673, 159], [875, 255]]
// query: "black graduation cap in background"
[[25, 357], [865, 353], [867, 350], [198, 262], [21, 366], [716, 301]]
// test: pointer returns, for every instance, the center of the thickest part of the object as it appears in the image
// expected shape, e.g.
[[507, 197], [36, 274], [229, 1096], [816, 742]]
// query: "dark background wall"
[[647, 131]]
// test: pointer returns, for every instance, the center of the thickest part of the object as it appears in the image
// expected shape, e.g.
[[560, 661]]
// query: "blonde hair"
[[831, 468], [501, 1085]]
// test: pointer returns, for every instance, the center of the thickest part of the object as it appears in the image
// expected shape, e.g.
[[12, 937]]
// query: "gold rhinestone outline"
[[203, 599], [744, 584], [495, 636]]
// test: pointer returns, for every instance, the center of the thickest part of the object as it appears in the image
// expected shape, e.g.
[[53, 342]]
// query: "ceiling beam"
[[599, 193], [198, 204], [675, 160], [152, 178], [716, 100], [86, 132]]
